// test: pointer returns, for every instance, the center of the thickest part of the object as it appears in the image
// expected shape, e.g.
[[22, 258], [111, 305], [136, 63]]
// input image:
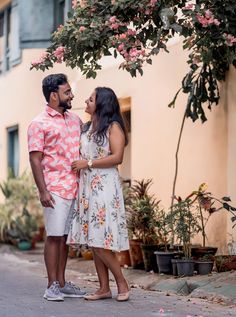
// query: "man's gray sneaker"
[[71, 290], [53, 293]]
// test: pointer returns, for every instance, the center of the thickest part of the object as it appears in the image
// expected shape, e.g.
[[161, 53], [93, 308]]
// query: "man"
[[53, 141]]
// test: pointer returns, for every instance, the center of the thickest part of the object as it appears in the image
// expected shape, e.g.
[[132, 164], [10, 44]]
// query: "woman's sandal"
[[122, 297], [98, 296]]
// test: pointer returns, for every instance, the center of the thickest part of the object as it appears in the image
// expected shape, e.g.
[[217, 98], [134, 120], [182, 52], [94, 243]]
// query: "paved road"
[[22, 284]]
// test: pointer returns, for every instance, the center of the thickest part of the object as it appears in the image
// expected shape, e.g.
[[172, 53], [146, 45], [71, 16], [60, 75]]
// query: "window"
[[13, 150], [127, 119], [5, 39], [62, 7]]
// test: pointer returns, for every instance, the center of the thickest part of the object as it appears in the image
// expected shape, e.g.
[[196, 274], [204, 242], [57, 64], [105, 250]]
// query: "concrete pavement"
[[23, 279]]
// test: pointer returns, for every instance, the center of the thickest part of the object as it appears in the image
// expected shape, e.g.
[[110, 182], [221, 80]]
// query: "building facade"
[[207, 151]]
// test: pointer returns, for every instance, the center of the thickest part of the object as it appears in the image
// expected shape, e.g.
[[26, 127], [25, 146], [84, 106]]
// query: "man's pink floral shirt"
[[58, 138]]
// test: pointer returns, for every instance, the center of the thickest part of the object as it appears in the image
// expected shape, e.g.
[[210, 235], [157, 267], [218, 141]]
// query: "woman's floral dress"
[[100, 219]]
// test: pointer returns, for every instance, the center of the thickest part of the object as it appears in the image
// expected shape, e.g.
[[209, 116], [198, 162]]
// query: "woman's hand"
[[78, 165]]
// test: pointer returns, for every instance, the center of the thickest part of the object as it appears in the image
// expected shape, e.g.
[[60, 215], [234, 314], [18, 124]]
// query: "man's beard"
[[64, 105]]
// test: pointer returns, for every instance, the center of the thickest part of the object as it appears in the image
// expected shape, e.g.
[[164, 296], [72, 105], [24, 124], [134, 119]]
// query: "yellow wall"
[[204, 154], [231, 149]]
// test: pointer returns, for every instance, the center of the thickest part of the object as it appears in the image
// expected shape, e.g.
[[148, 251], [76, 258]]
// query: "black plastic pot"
[[174, 267], [185, 267], [164, 261], [204, 268]]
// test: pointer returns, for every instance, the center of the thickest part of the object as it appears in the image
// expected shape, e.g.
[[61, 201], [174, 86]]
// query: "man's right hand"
[[46, 199]]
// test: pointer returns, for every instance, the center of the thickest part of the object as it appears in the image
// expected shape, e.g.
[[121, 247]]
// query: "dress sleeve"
[[35, 137]]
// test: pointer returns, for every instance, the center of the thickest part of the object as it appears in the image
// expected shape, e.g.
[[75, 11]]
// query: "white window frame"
[[6, 41]]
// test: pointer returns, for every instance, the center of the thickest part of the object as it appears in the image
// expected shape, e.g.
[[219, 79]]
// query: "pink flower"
[[125, 54], [153, 2], [189, 6], [147, 12], [202, 20], [41, 59], [82, 28], [121, 47], [122, 36], [207, 19], [36, 63], [230, 39], [133, 52], [74, 4], [60, 27], [208, 14], [115, 26], [131, 32], [143, 52], [161, 311], [59, 53], [82, 3], [216, 22], [112, 19], [43, 56]]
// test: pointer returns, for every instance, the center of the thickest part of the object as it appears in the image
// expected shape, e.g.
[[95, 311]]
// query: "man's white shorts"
[[58, 219]]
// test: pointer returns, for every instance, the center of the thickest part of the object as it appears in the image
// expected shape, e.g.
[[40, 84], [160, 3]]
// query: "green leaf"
[[226, 198], [177, 27], [226, 206], [233, 218]]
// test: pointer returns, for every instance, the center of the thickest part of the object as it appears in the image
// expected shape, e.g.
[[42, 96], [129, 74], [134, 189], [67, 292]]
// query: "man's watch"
[[90, 163]]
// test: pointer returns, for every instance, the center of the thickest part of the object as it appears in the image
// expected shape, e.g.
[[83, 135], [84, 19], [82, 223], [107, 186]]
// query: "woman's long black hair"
[[107, 111]]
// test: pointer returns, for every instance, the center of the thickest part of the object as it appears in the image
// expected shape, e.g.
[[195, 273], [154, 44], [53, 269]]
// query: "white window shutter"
[[15, 51]]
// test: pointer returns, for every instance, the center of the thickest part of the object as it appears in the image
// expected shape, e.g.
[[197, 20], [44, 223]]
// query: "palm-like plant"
[[143, 213]]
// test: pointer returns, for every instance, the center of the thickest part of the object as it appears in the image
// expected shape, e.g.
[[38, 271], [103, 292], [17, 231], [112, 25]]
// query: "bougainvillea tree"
[[138, 30]]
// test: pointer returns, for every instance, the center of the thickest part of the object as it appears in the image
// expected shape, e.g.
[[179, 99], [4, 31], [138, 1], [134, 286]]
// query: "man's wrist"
[[43, 191]]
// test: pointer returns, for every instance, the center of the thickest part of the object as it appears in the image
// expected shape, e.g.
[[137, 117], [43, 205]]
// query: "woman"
[[100, 220]]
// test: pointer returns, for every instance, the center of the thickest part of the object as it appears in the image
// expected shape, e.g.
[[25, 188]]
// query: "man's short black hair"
[[51, 83]]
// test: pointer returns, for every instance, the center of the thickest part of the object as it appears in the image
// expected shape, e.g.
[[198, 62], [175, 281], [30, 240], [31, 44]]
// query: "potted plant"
[[196, 210], [225, 262], [131, 194], [143, 220], [7, 217], [21, 198], [204, 204], [164, 257], [24, 227], [185, 226]]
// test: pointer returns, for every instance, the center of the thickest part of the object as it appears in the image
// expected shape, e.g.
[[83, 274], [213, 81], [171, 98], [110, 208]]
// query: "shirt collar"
[[53, 112]]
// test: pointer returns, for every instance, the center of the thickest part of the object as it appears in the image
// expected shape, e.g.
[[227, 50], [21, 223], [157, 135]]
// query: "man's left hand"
[[78, 165]]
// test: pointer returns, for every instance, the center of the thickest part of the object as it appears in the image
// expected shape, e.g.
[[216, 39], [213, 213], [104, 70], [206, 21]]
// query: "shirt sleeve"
[[35, 137]]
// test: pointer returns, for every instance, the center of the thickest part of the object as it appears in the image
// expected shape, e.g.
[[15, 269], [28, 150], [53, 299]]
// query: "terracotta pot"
[[136, 255], [38, 237], [200, 252], [73, 252], [123, 258], [225, 263], [87, 254]]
